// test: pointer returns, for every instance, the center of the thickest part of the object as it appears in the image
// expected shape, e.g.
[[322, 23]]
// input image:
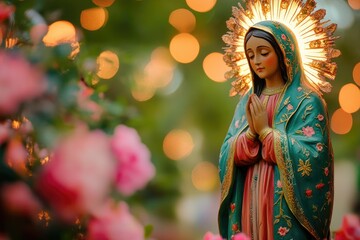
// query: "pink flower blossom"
[[326, 171], [20, 81], [320, 117], [134, 166], [350, 228], [237, 124], [211, 236], [16, 156], [18, 199], [282, 231], [283, 36], [279, 184], [319, 147], [232, 207], [289, 107], [308, 131], [113, 222], [79, 175], [299, 89], [319, 185], [240, 236]]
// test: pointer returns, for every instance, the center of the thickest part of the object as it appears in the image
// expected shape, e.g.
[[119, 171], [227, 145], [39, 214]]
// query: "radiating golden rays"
[[314, 38]]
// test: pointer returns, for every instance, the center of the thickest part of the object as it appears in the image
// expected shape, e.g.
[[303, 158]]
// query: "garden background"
[[148, 72]]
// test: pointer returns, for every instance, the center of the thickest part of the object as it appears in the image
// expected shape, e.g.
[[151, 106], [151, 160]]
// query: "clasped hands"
[[257, 118]]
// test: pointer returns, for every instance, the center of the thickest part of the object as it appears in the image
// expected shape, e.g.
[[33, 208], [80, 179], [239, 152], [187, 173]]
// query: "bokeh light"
[[60, 32], [108, 64], [158, 73], [103, 3], [160, 69], [201, 5], [349, 98], [178, 144], [341, 122], [142, 89], [215, 67], [356, 73], [93, 18], [354, 4], [184, 48], [183, 20], [205, 176]]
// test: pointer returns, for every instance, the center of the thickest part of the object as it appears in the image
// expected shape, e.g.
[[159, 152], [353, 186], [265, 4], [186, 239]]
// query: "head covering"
[[304, 157]]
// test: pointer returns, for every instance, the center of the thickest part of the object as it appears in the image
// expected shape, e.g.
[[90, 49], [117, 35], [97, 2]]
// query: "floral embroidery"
[[307, 112], [299, 89], [319, 147], [320, 117], [308, 131], [289, 107], [287, 101], [326, 171], [235, 227], [304, 167], [282, 231], [283, 36], [279, 184], [292, 47], [308, 192], [232, 207], [319, 186]]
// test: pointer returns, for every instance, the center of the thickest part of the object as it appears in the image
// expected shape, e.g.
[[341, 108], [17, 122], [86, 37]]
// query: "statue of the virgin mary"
[[276, 162]]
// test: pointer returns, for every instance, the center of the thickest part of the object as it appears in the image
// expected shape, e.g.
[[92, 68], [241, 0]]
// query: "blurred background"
[[164, 60]]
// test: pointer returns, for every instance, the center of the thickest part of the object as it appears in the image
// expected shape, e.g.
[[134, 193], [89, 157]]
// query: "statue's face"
[[263, 59]]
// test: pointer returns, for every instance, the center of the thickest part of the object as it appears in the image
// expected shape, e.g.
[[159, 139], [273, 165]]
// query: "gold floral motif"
[[304, 167]]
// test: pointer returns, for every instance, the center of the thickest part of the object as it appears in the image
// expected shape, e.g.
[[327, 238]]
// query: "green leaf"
[[148, 230]]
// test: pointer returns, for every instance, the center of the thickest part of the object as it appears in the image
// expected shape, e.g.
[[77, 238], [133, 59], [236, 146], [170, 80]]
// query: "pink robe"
[[257, 208]]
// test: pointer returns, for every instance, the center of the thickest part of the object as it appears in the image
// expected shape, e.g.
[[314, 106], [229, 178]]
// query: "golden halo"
[[316, 41]]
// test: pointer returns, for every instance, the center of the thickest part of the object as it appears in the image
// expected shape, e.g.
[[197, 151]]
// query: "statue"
[[276, 162]]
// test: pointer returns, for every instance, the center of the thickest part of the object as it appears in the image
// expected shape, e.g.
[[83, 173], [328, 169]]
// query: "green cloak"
[[304, 157]]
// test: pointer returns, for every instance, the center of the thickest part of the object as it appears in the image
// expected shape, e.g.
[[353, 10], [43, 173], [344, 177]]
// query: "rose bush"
[[68, 160]]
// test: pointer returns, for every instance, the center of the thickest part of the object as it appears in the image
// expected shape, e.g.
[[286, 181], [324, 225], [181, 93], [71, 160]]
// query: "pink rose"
[[16, 156], [289, 107], [19, 81], [308, 131], [134, 166], [319, 147], [282, 231], [350, 228], [18, 199], [79, 175], [211, 236], [320, 117], [113, 222], [240, 236]]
